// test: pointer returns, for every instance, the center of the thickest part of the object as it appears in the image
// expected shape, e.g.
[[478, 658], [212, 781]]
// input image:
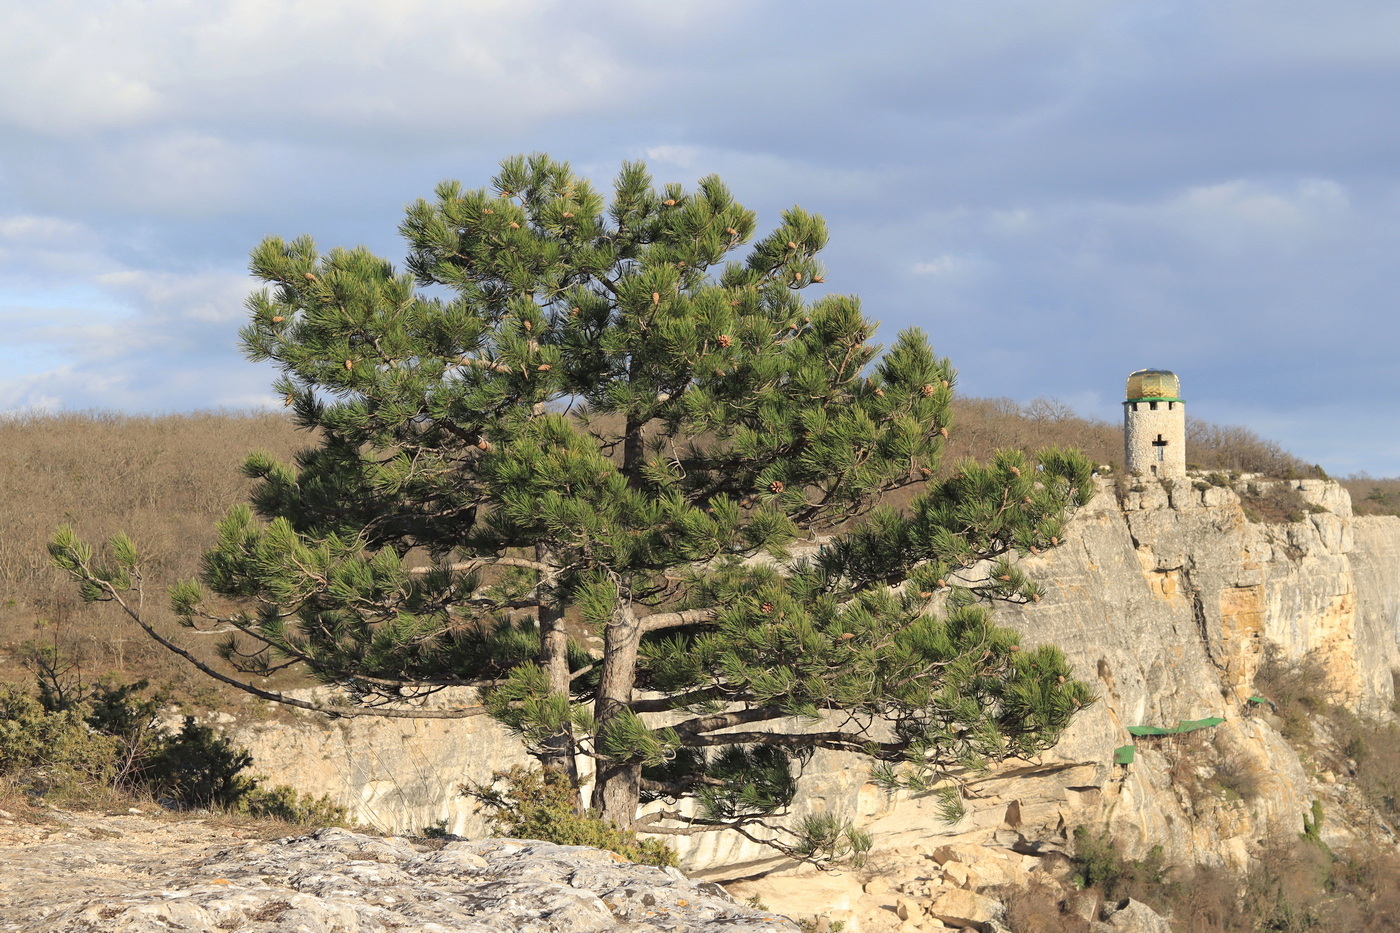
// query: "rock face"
[[1165, 601], [134, 875]]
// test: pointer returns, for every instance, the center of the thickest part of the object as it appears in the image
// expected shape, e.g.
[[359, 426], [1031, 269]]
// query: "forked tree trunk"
[[618, 784], [617, 787]]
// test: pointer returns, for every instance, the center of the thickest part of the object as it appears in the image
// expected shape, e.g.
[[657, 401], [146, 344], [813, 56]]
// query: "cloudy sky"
[[1057, 192]]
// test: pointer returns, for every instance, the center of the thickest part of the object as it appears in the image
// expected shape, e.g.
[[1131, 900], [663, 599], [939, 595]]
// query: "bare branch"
[[333, 711], [476, 562], [665, 620]]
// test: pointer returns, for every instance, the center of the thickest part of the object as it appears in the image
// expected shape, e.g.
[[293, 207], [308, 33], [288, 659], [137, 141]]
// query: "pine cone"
[[724, 340], [776, 485]]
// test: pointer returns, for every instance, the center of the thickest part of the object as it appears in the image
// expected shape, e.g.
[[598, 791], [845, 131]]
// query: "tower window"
[[1152, 405]]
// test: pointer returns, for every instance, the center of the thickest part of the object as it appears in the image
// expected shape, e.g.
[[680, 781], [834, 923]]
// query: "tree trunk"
[[633, 452], [558, 749], [618, 784]]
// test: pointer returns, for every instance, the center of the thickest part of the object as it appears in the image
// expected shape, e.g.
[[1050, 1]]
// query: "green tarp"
[[1186, 725], [1124, 754]]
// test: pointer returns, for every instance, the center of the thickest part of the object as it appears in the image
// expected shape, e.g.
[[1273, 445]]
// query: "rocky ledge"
[[132, 874]]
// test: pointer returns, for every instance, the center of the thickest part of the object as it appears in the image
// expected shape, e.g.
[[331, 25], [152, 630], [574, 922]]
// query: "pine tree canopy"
[[598, 456]]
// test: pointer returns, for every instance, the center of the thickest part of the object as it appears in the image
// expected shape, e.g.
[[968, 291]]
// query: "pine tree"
[[575, 415]]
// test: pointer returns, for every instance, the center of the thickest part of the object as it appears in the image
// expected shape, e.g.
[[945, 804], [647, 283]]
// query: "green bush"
[[1098, 863], [198, 768], [79, 741], [542, 805], [285, 803], [51, 748]]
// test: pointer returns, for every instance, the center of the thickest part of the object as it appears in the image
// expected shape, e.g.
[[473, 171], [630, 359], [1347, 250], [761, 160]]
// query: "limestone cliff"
[[1164, 600]]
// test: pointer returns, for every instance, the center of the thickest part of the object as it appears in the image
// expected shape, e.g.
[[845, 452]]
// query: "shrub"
[[1275, 503], [198, 768], [51, 748], [77, 745], [1236, 777], [1099, 863], [1296, 688], [285, 803], [538, 804]]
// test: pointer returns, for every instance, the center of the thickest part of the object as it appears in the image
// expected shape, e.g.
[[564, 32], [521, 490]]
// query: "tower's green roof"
[[1153, 383]]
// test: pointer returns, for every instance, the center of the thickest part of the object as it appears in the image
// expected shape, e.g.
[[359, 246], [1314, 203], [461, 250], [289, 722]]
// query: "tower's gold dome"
[[1154, 383]]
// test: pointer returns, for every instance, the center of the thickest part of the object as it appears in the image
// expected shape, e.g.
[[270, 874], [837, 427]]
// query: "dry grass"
[[1371, 496], [166, 479]]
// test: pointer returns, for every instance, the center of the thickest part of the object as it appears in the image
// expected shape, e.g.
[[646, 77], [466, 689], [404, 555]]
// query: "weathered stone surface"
[[958, 908], [133, 875], [1136, 917]]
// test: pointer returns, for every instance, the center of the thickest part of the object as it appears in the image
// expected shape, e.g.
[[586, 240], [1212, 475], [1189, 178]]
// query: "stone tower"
[[1154, 424]]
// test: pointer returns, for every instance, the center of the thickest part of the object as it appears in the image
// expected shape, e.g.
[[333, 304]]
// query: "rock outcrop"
[[79, 873], [1165, 601], [1165, 598]]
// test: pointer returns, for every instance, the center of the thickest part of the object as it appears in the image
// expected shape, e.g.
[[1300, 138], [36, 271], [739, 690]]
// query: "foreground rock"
[[133, 875]]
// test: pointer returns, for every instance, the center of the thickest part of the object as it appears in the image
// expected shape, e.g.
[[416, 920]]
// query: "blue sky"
[[1058, 193]]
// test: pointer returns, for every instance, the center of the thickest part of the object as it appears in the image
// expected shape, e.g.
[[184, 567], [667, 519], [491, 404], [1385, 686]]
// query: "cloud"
[[1057, 193], [30, 230], [93, 65], [947, 264]]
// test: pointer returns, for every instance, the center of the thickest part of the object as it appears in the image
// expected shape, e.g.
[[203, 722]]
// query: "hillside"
[[167, 479], [1260, 613]]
